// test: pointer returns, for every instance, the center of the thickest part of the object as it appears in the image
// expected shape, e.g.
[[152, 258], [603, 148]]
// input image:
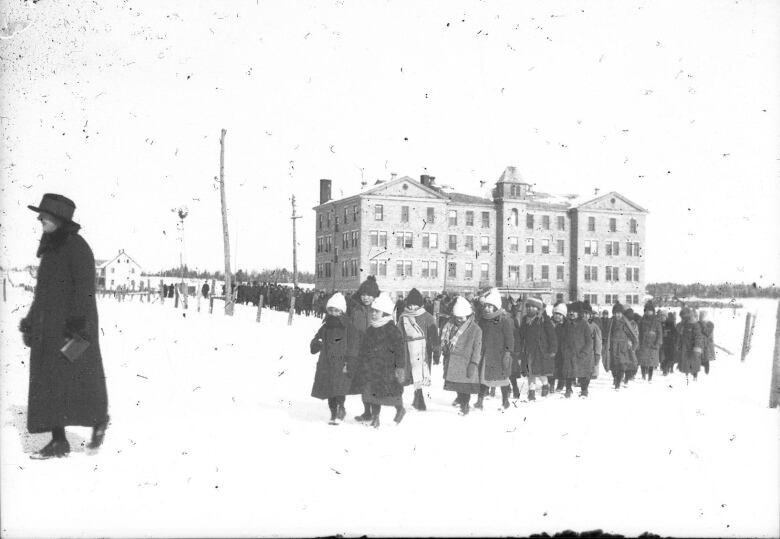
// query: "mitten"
[[315, 345], [400, 374], [507, 361], [25, 326], [471, 370]]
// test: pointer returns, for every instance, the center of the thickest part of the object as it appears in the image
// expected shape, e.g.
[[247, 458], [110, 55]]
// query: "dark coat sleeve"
[[316, 343], [508, 329], [82, 270], [551, 338], [431, 339]]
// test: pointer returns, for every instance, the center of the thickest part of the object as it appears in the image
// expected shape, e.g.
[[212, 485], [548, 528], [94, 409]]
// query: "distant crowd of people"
[[372, 346]]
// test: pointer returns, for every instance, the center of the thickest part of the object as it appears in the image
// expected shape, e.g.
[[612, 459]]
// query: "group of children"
[[364, 349]]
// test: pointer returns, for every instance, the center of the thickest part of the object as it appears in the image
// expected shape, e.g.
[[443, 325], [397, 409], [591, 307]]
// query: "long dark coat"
[[337, 342], [536, 345], [576, 349], [382, 352], [62, 393], [690, 345], [651, 339], [498, 338], [359, 317], [670, 340], [620, 341]]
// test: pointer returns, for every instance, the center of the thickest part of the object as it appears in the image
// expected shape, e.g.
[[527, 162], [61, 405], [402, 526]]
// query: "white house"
[[119, 271]]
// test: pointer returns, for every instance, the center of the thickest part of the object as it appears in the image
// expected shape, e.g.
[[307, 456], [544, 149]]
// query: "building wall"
[[338, 253], [122, 271]]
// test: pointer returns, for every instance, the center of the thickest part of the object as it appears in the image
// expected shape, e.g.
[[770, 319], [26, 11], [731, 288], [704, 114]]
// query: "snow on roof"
[[511, 174], [568, 200]]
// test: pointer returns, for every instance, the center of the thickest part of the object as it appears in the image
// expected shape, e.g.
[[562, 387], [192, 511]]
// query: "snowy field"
[[214, 433]]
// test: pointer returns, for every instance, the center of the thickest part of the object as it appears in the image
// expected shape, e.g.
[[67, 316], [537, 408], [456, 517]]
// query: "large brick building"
[[412, 234]]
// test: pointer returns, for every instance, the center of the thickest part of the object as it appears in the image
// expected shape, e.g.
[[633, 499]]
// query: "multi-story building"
[[120, 271], [412, 234]]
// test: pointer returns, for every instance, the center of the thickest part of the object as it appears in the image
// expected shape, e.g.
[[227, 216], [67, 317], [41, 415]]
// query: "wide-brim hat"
[[57, 205]]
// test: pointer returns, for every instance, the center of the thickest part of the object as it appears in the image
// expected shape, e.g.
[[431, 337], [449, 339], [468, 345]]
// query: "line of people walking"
[[365, 349]]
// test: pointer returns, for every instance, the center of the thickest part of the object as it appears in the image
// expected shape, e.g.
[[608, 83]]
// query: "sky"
[[119, 105]]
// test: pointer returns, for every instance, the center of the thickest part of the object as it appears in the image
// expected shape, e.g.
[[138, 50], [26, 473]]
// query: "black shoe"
[[464, 409], [375, 421], [584, 393], [532, 394], [421, 405], [478, 404], [341, 412], [363, 417], [545, 391], [456, 402], [492, 391], [54, 449], [98, 434], [399, 415], [568, 393], [505, 402]]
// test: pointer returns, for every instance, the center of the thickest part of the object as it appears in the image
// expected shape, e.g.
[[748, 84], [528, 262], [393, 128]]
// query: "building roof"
[[462, 198], [103, 263], [613, 194], [100, 263], [511, 175]]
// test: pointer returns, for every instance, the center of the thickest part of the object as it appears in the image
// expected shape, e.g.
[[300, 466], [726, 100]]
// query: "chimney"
[[596, 191], [427, 180], [324, 191], [393, 175]]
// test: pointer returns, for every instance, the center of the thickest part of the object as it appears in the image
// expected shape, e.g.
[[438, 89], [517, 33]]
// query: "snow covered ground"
[[214, 433]]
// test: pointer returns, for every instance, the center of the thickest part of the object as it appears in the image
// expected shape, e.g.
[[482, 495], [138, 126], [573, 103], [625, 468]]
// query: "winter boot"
[[478, 404], [545, 391], [375, 409], [532, 394], [400, 412], [98, 434], [456, 402], [505, 397], [515, 388], [568, 393], [375, 421], [341, 412], [421, 402], [366, 415], [492, 392], [464, 408], [559, 385], [58, 447]]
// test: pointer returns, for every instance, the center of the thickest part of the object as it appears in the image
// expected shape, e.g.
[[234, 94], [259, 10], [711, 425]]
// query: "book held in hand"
[[74, 348]]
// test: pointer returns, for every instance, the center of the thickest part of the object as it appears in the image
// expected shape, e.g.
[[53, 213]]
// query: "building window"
[[545, 247], [425, 270], [452, 218], [629, 274], [632, 248], [514, 273], [346, 215], [356, 238], [514, 244], [112, 270], [379, 213], [529, 245], [591, 247], [592, 273], [485, 243], [408, 240], [452, 270], [112, 282], [469, 274], [408, 267], [632, 226], [373, 267], [591, 224], [328, 269], [608, 299], [434, 240], [344, 268], [515, 216], [430, 217], [561, 222], [453, 242], [612, 224], [612, 273], [403, 268], [430, 240], [636, 299], [529, 272], [546, 222], [629, 299], [485, 219], [320, 221], [344, 241], [354, 213], [484, 271], [613, 248], [545, 273], [587, 273], [383, 268], [529, 221], [378, 267], [404, 214], [434, 269], [469, 218], [636, 274], [559, 273], [373, 238], [469, 243], [559, 246], [383, 239]]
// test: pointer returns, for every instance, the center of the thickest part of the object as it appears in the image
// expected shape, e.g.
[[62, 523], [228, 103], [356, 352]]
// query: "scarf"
[[55, 240], [416, 313], [382, 321], [491, 316], [451, 333], [415, 350]]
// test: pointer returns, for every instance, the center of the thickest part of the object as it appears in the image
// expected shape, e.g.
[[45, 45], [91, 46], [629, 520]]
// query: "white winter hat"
[[337, 300], [462, 307], [560, 308], [383, 303], [493, 298]]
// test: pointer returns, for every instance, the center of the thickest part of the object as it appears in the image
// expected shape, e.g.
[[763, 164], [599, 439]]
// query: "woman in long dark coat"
[[651, 338], [690, 344], [461, 346], [670, 343], [498, 344], [336, 341], [536, 344], [577, 350], [64, 392]]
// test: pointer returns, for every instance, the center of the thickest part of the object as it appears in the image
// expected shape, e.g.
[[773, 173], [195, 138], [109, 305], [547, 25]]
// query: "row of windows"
[[132, 270], [609, 299], [324, 219], [430, 216], [513, 273], [350, 268], [530, 220], [350, 239], [324, 244], [611, 248], [611, 273], [428, 269], [324, 270], [633, 226]]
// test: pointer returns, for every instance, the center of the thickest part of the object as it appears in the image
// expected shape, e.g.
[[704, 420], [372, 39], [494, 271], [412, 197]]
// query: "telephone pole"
[[295, 265], [225, 234]]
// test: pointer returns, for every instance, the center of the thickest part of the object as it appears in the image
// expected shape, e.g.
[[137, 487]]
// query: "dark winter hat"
[[617, 308], [58, 206], [414, 298], [649, 306], [576, 307], [369, 287], [536, 302], [628, 313], [586, 307]]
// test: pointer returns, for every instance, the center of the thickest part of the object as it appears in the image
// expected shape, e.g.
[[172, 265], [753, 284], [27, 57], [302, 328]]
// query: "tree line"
[[277, 275], [720, 290]]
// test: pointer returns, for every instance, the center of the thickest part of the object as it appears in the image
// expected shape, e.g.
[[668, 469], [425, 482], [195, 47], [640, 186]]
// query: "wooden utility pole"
[[774, 392], [225, 234], [295, 265]]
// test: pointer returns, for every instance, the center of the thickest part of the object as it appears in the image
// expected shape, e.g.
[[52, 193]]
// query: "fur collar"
[[55, 240]]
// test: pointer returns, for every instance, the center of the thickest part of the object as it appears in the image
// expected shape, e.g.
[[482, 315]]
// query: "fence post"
[[4, 296], [259, 307], [746, 338], [211, 303], [175, 297], [774, 392]]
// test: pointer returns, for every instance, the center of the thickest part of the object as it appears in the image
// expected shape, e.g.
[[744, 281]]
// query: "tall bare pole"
[[295, 264], [225, 234]]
